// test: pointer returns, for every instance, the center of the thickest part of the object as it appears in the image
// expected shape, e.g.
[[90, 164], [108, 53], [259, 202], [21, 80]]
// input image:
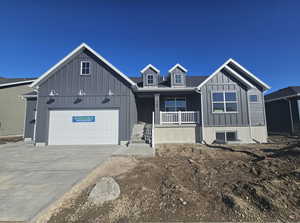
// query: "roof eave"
[[16, 83]]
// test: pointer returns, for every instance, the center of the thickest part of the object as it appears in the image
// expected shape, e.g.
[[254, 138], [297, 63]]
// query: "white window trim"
[[181, 78], [224, 102], [253, 102], [147, 80], [175, 98], [225, 132], [85, 61]]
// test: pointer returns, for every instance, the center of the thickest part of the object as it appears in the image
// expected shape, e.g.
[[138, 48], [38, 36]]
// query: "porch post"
[[156, 108]]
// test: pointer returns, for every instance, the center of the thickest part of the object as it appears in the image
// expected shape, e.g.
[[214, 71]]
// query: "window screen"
[[224, 102]]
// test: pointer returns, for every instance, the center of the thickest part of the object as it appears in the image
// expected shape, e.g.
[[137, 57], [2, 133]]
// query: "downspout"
[[202, 120], [291, 115], [35, 116], [249, 116]]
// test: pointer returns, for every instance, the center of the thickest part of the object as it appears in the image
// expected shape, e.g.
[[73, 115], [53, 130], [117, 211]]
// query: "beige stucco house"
[[12, 107]]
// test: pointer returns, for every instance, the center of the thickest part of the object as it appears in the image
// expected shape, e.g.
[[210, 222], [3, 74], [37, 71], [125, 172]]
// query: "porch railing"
[[180, 117]]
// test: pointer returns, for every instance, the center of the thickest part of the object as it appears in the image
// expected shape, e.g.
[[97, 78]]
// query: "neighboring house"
[[283, 111], [84, 99], [12, 108]]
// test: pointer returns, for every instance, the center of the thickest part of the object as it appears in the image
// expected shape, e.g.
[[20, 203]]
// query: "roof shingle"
[[282, 93]]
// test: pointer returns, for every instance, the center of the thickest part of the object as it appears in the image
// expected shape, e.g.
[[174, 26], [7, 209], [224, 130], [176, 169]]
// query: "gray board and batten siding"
[[178, 71], [223, 81], [67, 81], [147, 72]]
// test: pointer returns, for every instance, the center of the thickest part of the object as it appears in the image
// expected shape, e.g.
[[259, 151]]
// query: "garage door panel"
[[81, 127]]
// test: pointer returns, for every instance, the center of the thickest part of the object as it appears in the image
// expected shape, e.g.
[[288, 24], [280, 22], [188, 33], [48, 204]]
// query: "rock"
[[106, 189]]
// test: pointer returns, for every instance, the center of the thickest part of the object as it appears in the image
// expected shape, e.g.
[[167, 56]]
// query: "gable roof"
[[242, 79], [179, 66], [6, 82], [291, 91], [150, 66], [81, 46]]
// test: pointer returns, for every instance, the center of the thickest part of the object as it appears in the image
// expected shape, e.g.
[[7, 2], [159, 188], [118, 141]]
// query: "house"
[[84, 99], [283, 111], [12, 110]]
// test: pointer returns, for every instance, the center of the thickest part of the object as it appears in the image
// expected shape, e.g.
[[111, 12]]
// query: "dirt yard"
[[203, 183]]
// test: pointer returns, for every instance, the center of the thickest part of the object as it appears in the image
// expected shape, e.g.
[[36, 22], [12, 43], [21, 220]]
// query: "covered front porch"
[[169, 108]]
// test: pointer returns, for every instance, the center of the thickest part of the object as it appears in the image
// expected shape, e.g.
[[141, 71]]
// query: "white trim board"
[[18, 82], [81, 46], [178, 65], [252, 76], [150, 66]]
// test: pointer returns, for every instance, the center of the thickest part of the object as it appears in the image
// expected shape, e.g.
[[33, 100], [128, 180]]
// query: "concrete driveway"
[[33, 177]]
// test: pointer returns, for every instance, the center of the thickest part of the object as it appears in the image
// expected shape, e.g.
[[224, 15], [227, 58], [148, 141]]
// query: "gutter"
[[160, 89]]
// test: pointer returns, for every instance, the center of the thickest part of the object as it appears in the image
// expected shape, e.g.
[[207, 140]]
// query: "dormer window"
[[178, 78], [150, 79], [85, 68]]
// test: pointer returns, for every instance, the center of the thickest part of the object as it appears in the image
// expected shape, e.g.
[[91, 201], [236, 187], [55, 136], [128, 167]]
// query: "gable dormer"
[[177, 75], [150, 76]]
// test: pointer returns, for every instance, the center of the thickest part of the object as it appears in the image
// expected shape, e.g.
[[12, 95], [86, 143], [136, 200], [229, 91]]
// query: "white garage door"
[[82, 127]]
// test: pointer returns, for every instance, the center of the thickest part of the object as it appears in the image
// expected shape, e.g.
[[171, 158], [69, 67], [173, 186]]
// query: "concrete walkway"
[[33, 177], [140, 150]]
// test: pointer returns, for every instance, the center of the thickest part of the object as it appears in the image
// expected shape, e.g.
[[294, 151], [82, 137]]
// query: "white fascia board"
[[213, 74], [256, 79], [18, 82], [29, 96], [150, 66], [149, 89], [83, 45], [239, 77], [285, 97], [178, 65]]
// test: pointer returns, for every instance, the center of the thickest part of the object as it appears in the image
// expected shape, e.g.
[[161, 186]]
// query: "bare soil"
[[259, 182]]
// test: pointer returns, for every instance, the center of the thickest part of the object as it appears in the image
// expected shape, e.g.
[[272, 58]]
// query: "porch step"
[[137, 136]]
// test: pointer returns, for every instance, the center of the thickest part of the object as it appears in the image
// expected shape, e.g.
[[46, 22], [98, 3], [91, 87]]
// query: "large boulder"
[[106, 189]]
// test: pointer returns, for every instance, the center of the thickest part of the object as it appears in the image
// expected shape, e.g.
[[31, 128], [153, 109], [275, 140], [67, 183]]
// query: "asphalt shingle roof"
[[284, 92], [4, 80], [191, 81]]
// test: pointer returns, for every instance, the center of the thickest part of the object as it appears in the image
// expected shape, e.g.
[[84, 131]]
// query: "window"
[[178, 78], [224, 102], [150, 79], [85, 68], [175, 104], [227, 136], [253, 98]]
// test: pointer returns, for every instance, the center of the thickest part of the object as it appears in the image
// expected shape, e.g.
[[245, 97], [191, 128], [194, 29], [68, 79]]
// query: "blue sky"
[[264, 36]]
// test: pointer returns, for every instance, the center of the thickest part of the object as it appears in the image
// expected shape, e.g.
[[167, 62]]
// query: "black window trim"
[[228, 131], [224, 102], [175, 98]]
